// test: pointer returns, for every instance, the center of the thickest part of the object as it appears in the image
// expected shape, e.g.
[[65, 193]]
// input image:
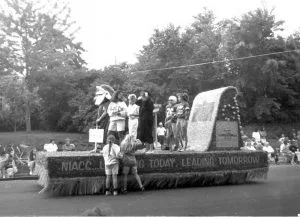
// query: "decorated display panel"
[[202, 122], [226, 134]]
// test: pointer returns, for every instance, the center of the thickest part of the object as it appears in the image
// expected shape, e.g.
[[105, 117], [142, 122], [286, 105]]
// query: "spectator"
[[293, 134], [50, 147], [249, 145], [11, 167], [269, 149], [133, 115], [285, 150], [111, 153], [4, 160], [117, 111], [128, 147], [263, 135], [145, 127], [68, 146], [293, 149], [284, 147], [31, 160], [282, 138], [256, 135], [258, 146], [161, 133]]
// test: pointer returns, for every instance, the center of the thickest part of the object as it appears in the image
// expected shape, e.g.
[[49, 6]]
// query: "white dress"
[[133, 119]]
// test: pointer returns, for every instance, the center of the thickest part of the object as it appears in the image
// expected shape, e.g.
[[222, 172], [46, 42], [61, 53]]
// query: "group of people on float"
[[113, 112], [112, 115], [288, 147]]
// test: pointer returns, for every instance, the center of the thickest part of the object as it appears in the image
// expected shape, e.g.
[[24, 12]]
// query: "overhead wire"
[[217, 61]]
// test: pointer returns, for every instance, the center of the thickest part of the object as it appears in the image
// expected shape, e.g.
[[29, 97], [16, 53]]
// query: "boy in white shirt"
[[161, 132], [111, 152]]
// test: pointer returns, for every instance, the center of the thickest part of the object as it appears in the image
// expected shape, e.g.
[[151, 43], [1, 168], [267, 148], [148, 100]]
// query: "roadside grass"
[[39, 138]]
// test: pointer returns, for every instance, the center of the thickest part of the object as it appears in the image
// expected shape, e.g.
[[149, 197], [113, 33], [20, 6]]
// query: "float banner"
[[202, 119], [91, 166]]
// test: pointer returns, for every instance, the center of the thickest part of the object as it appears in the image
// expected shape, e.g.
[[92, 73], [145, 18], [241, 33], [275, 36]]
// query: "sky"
[[113, 31]]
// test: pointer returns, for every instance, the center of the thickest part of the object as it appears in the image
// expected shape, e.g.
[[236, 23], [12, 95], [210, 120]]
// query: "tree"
[[13, 90], [36, 44], [263, 81]]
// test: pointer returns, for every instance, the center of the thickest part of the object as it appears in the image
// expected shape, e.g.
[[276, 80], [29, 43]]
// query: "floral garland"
[[229, 108]]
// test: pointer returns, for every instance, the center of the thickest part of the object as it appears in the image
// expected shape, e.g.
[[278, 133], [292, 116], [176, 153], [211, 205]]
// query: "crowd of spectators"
[[289, 146]]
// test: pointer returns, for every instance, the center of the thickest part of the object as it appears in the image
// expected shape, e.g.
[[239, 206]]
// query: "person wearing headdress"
[[133, 116], [145, 126], [102, 99], [182, 114]]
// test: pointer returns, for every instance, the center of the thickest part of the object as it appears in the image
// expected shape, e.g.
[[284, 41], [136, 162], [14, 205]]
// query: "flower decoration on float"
[[229, 110]]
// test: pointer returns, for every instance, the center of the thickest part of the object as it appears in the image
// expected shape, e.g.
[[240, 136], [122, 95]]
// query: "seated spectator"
[[258, 146], [31, 160], [249, 145], [256, 135], [263, 135], [50, 147], [293, 149], [284, 147], [4, 160], [269, 149], [60, 145], [282, 138], [68, 146], [11, 167]]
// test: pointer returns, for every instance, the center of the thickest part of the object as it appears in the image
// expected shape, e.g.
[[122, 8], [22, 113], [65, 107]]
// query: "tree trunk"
[[28, 117], [15, 126]]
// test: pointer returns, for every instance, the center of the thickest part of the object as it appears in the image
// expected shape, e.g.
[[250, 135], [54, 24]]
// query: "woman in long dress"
[[145, 126]]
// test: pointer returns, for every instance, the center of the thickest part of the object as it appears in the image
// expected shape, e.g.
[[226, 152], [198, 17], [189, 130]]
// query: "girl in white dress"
[[133, 116]]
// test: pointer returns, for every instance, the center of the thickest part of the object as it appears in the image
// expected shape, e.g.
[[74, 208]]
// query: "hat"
[[103, 91], [131, 96], [173, 98], [68, 139]]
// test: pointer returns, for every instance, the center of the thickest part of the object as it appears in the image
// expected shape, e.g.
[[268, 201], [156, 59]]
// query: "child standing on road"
[[111, 153], [128, 147]]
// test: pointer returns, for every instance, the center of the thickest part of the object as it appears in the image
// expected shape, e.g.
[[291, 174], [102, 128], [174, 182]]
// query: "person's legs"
[[175, 136], [31, 165], [108, 173], [121, 130], [185, 133], [125, 173], [137, 177], [115, 170]]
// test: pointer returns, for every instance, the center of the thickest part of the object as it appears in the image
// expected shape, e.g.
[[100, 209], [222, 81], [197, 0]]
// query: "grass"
[[38, 139]]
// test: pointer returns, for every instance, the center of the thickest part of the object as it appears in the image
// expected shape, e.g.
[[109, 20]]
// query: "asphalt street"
[[279, 195]]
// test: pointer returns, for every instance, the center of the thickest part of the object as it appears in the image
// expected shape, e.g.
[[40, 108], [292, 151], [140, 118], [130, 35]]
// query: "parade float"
[[214, 156]]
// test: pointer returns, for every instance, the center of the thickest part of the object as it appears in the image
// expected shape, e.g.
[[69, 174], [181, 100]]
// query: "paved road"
[[279, 195]]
